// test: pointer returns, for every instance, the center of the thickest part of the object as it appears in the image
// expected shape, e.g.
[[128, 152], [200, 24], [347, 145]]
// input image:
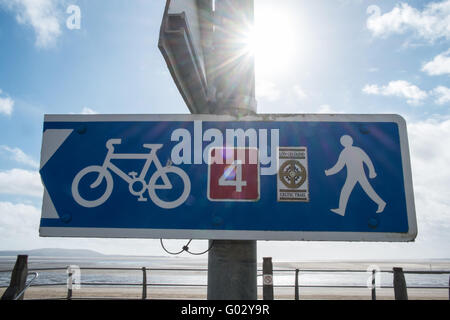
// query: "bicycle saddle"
[[111, 142], [152, 146]]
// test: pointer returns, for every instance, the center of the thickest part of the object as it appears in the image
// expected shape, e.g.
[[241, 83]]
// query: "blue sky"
[[346, 56]]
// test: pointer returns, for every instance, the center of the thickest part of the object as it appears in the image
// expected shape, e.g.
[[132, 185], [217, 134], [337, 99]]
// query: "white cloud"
[[442, 94], [19, 230], [430, 24], [18, 155], [41, 15], [371, 89], [6, 105], [439, 65], [326, 108], [350, 2], [299, 92], [87, 110], [398, 88], [17, 221], [431, 174], [21, 182], [267, 90]]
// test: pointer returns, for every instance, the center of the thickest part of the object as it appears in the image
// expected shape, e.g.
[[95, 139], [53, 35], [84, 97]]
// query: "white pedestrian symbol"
[[354, 158]]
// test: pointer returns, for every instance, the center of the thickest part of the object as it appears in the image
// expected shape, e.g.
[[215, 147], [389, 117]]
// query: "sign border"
[[247, 234]]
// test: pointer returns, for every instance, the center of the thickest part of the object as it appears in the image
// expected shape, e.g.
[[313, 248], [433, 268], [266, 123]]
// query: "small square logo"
[[292, 182], [233, 174]]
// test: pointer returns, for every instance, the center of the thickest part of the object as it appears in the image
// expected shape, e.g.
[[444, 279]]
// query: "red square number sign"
[[233, 174]]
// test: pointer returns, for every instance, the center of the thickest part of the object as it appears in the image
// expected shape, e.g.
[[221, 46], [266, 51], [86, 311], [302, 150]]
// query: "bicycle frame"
[[149, 157]]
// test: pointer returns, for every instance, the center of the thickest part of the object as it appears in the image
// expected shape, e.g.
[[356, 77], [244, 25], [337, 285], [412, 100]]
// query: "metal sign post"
[[232, 264], [234, 65], [184, 42], [215, 75]]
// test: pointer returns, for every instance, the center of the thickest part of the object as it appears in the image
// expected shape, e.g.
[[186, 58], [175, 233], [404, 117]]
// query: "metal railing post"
[[297, 296], [18, 279], [267, 279], [69, 286], [144, 283], [400, 290], [374, 294]]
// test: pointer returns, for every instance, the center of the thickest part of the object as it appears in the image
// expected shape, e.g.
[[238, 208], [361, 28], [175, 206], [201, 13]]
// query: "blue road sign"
[[265, 177]]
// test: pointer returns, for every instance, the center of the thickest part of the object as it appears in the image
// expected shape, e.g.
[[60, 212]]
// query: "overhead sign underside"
[[299, 177]]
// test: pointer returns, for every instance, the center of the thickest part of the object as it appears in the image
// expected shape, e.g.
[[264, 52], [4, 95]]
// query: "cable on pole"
[[186, 248]]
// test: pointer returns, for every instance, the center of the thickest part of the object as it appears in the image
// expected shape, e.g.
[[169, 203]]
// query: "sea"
[[127, 271]]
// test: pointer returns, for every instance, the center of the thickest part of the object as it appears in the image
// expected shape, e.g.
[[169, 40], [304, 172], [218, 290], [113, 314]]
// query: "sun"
[[272, 40]]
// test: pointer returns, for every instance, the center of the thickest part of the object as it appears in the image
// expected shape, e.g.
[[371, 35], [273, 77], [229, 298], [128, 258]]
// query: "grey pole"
[[232, 270], [297, 294], [233, 71], [232, 263]]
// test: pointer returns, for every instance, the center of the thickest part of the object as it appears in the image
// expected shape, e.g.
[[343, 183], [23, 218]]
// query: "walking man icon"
[[354, 158]]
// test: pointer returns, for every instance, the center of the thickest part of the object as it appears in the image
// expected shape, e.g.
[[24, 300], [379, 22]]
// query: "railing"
[[399, 284], [20, 294]]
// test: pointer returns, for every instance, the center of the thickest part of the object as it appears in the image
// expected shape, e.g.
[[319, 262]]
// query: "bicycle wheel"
[[92, 203], [181, 199]]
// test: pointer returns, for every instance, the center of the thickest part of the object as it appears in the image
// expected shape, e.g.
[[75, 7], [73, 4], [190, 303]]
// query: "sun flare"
[[272, 40]]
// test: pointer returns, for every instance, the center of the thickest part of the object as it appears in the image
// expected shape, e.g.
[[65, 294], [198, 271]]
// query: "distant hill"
[[53, 252]]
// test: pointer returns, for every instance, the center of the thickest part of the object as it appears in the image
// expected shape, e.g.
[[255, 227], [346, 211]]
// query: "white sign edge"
[[219, 118], [136, 233]]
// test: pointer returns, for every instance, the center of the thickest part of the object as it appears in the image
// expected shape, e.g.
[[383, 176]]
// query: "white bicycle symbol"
[[136, 184]]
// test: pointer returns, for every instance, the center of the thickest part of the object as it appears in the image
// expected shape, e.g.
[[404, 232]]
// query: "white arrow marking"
[[48, 208], [51, 141]]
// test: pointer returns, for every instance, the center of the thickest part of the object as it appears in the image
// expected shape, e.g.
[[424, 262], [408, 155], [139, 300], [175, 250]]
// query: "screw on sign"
[[233, 174]]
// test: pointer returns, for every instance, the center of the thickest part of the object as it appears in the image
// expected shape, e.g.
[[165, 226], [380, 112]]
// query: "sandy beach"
[[200, 293]]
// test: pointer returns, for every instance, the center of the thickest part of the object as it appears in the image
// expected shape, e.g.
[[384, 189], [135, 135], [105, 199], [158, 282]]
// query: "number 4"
[[236, 168]]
